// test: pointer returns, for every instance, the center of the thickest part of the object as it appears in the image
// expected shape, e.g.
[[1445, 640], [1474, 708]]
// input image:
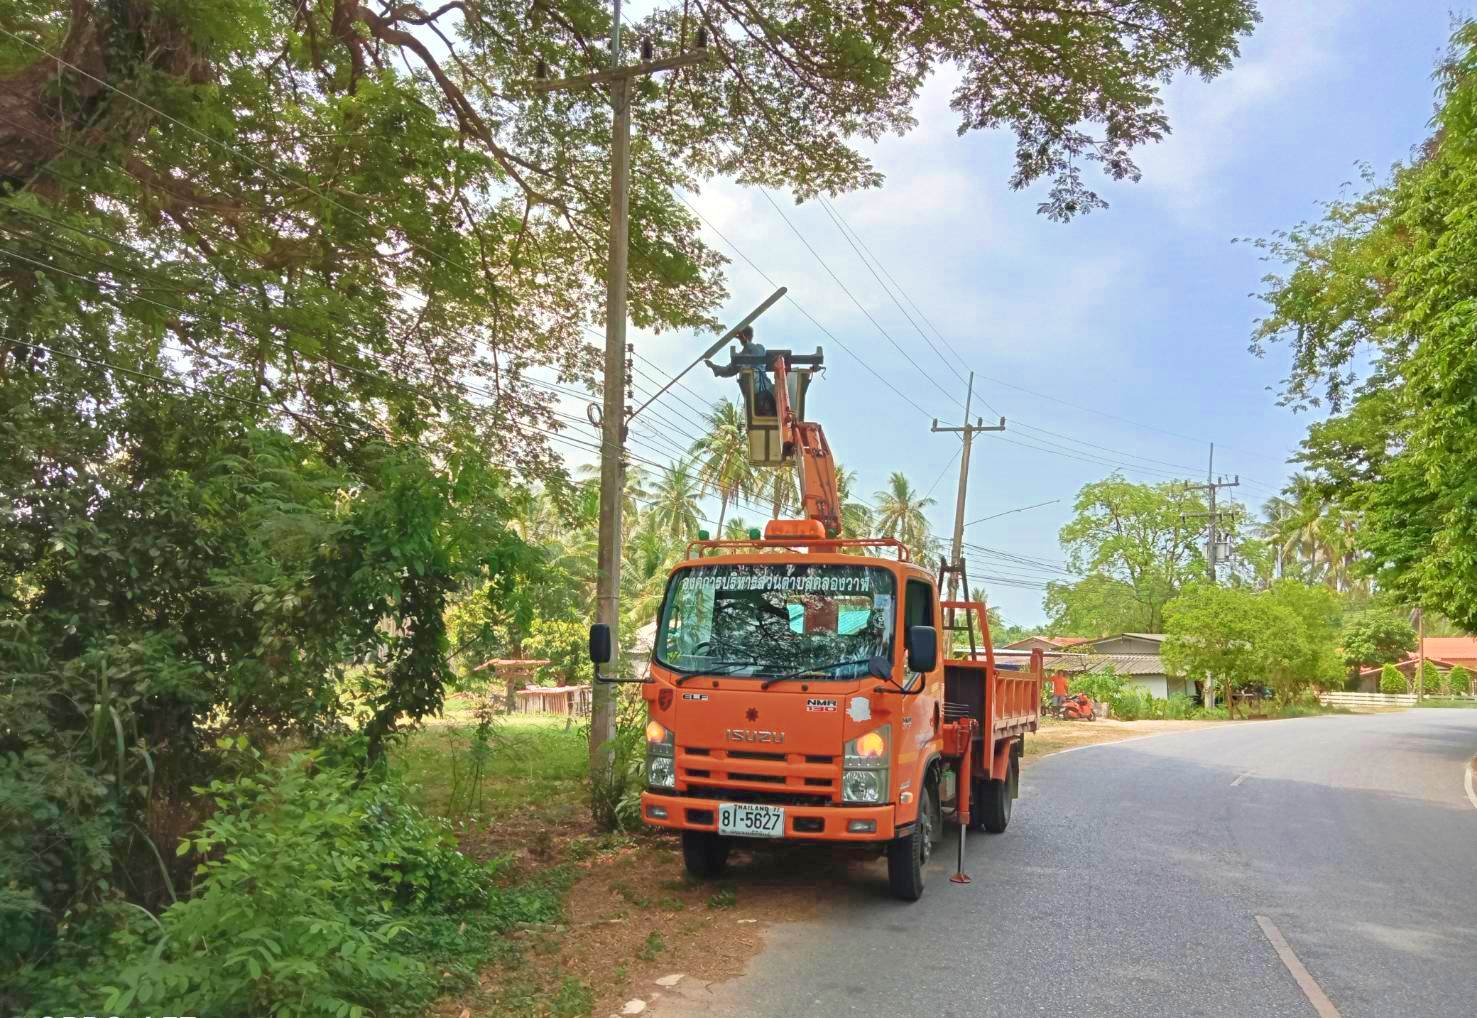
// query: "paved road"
[[1131, 877]]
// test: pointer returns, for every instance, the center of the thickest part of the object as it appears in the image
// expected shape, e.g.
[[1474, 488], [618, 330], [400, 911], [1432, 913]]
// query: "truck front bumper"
[[802, 823]]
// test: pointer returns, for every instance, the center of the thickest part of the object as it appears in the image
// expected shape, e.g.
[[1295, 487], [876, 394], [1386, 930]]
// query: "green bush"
[[1133, 704], [1178, 707], [1391, 681], [316, 896], [1459, 679], [1430, 679], [1210, 714], [1101, 686]]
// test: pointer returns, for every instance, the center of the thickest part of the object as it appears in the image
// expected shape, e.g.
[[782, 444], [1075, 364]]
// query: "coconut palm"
[[722, 454], [646, 560], [900, 514], [674, 500], [782, 489], [856, 515], [737, 529]]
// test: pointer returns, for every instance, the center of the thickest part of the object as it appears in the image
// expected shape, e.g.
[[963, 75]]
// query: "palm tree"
[[674, 509], [900, 514], [856, 515], [722, 454], [737, 529], [646, 560], [782, 488]]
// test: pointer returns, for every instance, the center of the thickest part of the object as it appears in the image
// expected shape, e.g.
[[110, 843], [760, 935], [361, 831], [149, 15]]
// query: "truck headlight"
[[661, 772], [864, 770], [661, 751]]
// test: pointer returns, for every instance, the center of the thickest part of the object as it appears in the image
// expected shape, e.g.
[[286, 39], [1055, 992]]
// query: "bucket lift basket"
[[768, 444]]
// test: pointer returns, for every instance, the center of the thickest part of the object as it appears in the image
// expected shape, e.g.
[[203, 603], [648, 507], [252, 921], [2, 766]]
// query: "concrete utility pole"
[[613, 412], [1212, 545], [956, 555]]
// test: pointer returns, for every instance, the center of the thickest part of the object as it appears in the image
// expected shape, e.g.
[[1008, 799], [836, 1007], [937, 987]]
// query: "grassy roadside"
[[629, 916]]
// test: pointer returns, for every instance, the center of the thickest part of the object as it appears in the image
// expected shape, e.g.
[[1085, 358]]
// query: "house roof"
[[1128, 664], [1452, 648]]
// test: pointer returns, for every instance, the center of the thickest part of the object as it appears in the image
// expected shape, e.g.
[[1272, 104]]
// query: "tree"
[[1385, 279], [856, 515], [722, 453], [1133, 548], [674, 509], [1310, 656], [737, 529], [901, 514], [1376, 637], [1230, 634]]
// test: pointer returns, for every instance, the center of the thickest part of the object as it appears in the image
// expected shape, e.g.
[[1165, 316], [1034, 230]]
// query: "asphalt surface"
[[1132, 876]]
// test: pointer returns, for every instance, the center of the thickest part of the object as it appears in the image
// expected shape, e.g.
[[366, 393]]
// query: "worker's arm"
[[721, 370]]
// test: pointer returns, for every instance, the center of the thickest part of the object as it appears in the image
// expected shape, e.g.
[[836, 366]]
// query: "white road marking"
[[1240, 778], [1304, 978], [1471, 771]]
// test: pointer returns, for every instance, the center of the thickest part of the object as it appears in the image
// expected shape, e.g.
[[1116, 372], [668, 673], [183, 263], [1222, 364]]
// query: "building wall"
[[1156, 685]]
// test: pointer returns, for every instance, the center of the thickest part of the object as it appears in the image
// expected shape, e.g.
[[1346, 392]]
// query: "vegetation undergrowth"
[[316, 893]]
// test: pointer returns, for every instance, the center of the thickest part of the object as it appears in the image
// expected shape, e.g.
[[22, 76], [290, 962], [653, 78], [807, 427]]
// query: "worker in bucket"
[[764, 405]]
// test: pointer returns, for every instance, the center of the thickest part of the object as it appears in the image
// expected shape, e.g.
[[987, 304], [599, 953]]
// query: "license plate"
[[749, 821]]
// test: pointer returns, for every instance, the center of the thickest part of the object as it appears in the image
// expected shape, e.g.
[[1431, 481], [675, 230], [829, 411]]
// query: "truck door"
[[922, 712]]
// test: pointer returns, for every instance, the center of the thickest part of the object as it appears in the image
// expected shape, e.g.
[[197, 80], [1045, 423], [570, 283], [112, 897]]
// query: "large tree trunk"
[[34, 118]]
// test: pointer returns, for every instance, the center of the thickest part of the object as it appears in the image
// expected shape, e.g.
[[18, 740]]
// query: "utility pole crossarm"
[[967, 433]]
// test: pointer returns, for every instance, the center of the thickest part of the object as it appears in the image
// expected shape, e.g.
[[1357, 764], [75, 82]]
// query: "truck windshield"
[[767, 620]]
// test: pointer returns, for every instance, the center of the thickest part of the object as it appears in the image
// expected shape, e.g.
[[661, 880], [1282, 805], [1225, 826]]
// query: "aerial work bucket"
[[769, 446]]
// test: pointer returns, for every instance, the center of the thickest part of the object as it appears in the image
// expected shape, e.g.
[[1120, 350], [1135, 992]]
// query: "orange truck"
[[809, 688]]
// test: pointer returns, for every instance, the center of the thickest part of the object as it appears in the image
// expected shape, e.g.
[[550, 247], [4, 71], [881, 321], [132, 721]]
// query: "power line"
[[835, 218], [829, 271]]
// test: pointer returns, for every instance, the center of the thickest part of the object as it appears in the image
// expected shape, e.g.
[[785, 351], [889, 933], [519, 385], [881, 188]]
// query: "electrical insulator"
[[646, 49], [702, 37], [541, 70]]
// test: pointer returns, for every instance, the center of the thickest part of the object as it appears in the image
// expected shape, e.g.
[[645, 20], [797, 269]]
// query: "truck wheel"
[[704, 853], [906, 856], [993, 808]]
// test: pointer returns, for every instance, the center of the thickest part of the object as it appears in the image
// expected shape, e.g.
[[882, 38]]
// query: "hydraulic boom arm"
[[806, 442]]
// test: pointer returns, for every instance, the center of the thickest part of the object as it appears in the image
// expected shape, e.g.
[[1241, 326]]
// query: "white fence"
[[1367, 699]]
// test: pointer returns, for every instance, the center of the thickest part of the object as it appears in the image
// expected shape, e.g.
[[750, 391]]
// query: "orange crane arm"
[[806, 440]]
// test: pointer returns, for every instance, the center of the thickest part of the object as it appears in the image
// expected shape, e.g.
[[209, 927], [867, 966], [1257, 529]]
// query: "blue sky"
[[1129, 326]]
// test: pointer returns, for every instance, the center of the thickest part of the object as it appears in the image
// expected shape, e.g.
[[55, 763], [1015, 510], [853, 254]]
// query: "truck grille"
[[796, 779]]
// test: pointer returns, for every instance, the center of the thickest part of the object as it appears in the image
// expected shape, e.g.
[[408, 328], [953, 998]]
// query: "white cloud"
[[1295, 45]]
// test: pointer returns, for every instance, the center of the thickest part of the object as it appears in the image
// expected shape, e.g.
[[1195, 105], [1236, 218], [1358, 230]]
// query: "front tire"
[[906, 856], [704, 853]]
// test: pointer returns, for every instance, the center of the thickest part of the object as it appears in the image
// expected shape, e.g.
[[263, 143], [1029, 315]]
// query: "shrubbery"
[[1391, 681], [1459, 679], [315, 895], [1430, 679]]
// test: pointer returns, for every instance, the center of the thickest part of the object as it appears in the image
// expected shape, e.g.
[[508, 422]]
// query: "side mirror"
[[600, 651], [923, 649]]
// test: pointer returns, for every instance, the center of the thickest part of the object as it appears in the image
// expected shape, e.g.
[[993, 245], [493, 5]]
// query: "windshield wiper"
[[811, 670], [721, 668]]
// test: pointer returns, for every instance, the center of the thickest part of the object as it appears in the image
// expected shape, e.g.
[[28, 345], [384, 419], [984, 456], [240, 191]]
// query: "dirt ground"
[[1054, 736], [634, 918]]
